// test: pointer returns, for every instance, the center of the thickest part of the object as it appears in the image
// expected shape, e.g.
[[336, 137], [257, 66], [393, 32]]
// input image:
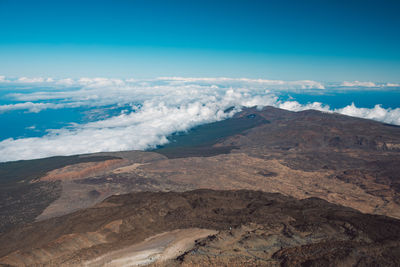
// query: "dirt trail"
[[157, 248], [128, 168]]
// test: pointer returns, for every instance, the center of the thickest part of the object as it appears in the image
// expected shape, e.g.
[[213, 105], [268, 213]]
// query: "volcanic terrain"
[[265, 188]]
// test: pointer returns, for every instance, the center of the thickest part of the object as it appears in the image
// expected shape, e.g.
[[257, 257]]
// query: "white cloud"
[[296, 106], [30, 80], [67, 81], [2, 79], [155, 120], [105, 91], [163, 106], [36, 107], [273, 84], [100, 82], [392, 85], [147, 127], [31, 107], [377, 113], [359, 84], [33, 80]]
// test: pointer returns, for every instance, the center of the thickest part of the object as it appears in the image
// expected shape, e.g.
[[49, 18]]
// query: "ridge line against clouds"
[[152, 110]]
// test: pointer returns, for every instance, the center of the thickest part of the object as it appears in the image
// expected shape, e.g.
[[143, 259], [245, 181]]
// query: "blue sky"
[[321, 40]]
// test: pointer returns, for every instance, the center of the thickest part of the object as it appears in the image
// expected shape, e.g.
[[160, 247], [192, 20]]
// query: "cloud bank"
[[358, 83], [158, 108], [147, 127]]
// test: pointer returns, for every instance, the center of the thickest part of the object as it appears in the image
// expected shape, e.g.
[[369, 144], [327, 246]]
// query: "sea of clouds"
[[157, 108]]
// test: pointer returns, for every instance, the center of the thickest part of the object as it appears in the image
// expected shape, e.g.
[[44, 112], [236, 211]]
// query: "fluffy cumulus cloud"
[[159, 107], [296, 106], [377, 113]]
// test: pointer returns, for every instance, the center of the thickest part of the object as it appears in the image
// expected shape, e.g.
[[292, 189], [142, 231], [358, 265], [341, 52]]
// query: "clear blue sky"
[[322, 40]]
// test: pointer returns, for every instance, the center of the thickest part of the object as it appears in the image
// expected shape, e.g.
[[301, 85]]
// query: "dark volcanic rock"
[[22, 203], [272, 227]]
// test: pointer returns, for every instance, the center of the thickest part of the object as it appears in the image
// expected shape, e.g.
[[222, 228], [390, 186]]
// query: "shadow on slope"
[[199, 140], [22, 198]]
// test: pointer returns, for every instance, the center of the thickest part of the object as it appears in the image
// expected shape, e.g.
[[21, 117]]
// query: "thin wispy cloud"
[[275, 84], [358, 84], [29, 106], [393, 84]]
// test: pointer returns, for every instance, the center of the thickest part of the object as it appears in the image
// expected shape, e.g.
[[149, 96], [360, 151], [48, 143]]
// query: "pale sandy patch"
[[157, 248], [129, 168]]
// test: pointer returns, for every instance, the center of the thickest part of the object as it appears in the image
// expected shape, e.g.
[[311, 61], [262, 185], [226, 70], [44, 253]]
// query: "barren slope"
[[344, 160], [253, 228]]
